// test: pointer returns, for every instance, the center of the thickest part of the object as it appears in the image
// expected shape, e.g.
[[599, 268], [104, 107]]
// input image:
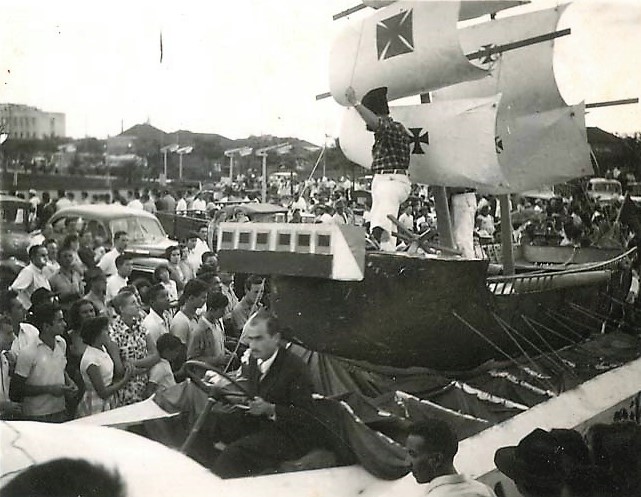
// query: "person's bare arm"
[[371, 119], [105, 391]]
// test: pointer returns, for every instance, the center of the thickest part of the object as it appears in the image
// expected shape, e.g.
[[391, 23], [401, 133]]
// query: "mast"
[[506, 235]]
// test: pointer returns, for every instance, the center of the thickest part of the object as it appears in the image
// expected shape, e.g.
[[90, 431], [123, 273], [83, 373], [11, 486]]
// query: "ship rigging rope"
[[251, 313], [538, 349], [547, 344], [479, 333], [506, 327], [558, 318]]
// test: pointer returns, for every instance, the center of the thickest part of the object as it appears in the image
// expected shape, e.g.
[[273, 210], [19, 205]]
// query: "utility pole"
[[263, 153]]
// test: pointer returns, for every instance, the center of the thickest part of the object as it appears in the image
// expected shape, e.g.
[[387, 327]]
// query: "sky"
[[251, 67]]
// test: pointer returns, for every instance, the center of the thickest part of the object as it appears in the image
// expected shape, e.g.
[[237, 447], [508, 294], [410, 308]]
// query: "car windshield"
[[14, 216], [607, 187], [139, 229]]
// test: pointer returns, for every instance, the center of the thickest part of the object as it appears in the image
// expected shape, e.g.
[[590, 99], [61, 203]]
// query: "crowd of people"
[[78, 337]]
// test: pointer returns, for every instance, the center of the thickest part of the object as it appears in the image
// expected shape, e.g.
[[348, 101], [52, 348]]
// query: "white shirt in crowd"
[[29, 279], [114, 283], [136, 204], [181, 205], [42, 366], [108, 262]]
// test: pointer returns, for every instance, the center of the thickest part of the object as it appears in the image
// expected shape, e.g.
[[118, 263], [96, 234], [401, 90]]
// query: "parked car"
[[147, 238], [604, 191], [14, 237]]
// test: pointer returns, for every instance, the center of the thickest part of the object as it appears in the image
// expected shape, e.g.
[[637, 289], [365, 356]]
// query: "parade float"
[[493, 120], [391, 337]]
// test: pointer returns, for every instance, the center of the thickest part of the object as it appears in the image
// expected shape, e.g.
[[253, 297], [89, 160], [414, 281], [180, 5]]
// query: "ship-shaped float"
[[493, 120], [375, 327]]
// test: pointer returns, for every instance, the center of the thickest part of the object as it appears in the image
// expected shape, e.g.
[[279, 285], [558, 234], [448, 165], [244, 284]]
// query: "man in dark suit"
[[278, 424]]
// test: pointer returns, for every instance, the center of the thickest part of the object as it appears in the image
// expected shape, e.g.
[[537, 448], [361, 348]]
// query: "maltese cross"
[[417, 139], [488, 54], [394, 35]]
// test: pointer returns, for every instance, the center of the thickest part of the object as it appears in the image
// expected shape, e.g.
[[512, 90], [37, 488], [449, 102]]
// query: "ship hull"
[[435, 313]]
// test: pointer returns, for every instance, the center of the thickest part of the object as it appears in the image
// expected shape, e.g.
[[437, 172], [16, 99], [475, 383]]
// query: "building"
[[28, 123]]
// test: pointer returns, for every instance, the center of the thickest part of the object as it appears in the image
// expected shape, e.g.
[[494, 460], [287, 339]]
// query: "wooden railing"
[[541, 281]]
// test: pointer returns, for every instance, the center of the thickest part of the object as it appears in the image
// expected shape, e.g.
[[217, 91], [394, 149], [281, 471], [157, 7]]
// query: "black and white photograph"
[[338, 248]]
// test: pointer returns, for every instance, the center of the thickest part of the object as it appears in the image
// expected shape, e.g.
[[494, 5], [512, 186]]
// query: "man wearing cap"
[[390, 162], [431, 447]]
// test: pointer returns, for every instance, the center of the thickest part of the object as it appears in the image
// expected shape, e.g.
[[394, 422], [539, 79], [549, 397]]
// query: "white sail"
[[470, 9], [524, 76], [409, 47], [453, 142], [550, 147]]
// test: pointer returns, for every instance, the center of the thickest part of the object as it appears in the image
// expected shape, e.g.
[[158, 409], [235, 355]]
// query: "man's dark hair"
[[203, 226], [252, 280], [119, 234], [158, 270], [192, 235], [216, 300], [193, 287], [167, 342], [206, 255], [69, 239], [437, 435], [153, 292], [40, 296], [92, 328], [122, 258], [44, 313], [65, 478], [33, 251], [49, 241]]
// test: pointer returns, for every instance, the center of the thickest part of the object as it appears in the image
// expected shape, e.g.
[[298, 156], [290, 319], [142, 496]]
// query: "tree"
[[632, 154]]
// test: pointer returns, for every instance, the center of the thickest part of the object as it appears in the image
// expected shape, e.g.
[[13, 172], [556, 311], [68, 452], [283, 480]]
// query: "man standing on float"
[[390, 162]]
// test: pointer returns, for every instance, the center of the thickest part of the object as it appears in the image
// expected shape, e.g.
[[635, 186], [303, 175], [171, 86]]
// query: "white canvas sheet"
[[461, 149], [423, 52], [525, 76]]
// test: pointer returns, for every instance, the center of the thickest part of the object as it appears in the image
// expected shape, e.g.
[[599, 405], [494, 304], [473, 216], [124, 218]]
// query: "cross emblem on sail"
[[418, 139], [488, 54], [394, 35], [458, 150]]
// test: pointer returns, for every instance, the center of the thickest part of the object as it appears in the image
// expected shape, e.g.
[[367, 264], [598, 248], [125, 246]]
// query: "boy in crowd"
[[161, 376], [124, 267]]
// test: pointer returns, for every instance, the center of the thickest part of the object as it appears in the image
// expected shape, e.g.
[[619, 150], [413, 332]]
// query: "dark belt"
[[391, 171]]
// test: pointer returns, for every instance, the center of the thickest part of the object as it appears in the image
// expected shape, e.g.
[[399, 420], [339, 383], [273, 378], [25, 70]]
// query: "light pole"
[[166, 150], [231, 153], [181, 152], [263, 153]]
